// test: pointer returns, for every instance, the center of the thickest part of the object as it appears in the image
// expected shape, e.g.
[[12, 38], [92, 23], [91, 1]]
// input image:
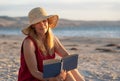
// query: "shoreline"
[[98, 57], [63, 37]]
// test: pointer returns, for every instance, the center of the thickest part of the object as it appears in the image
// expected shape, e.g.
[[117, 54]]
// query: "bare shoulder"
[[56, 39], [28, 43]]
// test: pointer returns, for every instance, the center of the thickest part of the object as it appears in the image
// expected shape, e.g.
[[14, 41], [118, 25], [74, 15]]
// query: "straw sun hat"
[[39, 14]]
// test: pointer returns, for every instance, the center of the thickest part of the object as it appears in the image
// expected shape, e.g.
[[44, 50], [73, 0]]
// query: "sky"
[[67, 9]]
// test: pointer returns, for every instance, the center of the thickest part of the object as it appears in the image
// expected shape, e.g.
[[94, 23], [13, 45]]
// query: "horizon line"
[[69, 19]]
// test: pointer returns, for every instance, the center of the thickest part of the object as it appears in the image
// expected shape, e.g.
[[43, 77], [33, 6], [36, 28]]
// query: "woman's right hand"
[[62, 76]]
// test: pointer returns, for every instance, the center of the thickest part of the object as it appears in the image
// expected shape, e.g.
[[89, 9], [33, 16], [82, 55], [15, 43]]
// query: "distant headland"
[[6, 21]]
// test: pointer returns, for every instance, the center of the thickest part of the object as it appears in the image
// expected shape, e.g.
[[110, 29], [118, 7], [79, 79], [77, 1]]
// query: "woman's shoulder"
[[55, 38], [28, 41]]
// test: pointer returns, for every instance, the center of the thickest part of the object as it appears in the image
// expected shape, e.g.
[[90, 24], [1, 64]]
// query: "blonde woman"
[[41, 44]]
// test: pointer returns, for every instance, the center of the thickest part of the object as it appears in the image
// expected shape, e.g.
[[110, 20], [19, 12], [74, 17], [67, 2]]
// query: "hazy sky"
[[69, 9]]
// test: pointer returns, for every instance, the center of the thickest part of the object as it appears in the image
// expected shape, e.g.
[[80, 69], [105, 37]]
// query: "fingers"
[[62, 75], [63, 71], [60, 79]]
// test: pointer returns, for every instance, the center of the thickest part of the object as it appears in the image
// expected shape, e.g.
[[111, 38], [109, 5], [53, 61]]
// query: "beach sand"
[[99, 58]]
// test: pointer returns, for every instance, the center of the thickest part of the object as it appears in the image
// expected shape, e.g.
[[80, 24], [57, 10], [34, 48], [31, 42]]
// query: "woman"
[[41, 44]]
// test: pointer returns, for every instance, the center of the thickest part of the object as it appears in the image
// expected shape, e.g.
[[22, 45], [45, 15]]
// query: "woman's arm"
[[30, 58], [59, 48]]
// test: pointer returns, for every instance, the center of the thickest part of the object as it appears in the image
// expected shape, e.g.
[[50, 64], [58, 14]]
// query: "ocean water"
[[99, 32]]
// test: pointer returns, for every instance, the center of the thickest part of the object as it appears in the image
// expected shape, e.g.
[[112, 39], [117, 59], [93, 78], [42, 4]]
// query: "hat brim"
[[52, 22]]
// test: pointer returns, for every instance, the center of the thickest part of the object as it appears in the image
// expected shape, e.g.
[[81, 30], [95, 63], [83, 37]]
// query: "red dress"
[[24, 74]]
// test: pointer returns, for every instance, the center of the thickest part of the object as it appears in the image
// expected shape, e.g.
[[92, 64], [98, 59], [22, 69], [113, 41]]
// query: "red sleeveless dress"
[[24, 74]]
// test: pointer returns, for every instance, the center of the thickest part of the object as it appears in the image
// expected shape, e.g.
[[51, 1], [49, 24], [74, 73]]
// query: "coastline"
[[98, 57]]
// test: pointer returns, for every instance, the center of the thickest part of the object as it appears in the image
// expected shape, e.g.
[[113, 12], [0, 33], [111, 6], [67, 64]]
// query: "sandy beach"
[[99, 58]]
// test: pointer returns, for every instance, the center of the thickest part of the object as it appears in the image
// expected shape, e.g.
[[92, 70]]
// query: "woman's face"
[[41, 27]]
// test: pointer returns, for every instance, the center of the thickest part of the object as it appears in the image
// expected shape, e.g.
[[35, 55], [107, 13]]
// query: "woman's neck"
[[42, 37]]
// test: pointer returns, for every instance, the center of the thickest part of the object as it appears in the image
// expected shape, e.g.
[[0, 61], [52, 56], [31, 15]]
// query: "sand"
[[99, 58]]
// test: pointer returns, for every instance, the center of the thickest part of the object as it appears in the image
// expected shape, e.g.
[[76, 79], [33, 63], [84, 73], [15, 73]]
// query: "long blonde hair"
[[48, 46]]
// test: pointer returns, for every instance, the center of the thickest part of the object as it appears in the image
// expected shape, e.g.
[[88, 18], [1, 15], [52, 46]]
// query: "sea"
[[97, 32]]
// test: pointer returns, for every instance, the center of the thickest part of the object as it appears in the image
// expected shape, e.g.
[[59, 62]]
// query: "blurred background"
[[68, 9], [85, 18]]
